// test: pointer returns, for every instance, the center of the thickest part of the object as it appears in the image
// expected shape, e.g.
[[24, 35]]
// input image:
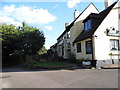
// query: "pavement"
[[112, 66]]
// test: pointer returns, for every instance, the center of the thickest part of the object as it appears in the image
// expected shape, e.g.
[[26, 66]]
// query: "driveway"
[[81, 78]]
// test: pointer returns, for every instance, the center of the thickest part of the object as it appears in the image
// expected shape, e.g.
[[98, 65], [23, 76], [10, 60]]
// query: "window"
[[88, 24], [89, 47], [69, 47], [79, 47], [68, 35], [114, 44]]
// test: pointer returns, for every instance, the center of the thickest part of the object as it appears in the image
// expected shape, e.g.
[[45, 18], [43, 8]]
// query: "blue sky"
[[50, 17]]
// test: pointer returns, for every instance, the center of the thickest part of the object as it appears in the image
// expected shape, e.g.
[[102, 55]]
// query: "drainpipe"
[[93, 60], [92, 48]]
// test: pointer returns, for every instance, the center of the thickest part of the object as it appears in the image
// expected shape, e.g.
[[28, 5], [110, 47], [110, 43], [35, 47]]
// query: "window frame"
[[87, 47], [78, 46], [88, 25], [119, 16], [118, 48], [68, 35]]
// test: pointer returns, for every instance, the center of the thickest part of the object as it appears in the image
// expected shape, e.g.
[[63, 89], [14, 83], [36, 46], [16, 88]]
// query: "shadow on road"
[[5, 76], [24, 69]]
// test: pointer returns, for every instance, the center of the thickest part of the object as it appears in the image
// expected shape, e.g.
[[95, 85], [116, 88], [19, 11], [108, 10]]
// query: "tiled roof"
[[101, 16]]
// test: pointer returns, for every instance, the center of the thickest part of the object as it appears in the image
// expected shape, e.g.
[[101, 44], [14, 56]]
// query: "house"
[[53, 48], [100, 37], [65, 40], [93, 35]]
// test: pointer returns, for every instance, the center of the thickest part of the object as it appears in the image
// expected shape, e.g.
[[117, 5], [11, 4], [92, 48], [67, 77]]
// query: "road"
[[107, 78]]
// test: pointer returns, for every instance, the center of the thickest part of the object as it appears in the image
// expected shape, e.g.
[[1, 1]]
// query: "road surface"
[[105, 78]]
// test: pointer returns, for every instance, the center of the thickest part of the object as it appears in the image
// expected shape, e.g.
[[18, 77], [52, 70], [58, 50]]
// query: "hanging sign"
[[112, 32]]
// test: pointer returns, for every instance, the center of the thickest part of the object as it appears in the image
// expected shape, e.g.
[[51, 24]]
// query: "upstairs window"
[[87, 25], [68, 35], [69, 47], [114, 45]]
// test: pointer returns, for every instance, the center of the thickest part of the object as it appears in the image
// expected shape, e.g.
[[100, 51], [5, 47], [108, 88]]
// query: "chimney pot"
[[66, 25], [76, 14]]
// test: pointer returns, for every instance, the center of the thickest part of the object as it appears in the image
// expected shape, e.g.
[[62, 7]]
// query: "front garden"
[[52, 65]]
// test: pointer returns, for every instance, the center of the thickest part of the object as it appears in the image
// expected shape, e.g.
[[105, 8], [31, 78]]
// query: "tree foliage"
[[43, 50], [18, 41]]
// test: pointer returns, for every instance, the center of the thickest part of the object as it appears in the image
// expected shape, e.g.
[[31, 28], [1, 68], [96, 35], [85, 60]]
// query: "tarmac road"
[[105, 78]]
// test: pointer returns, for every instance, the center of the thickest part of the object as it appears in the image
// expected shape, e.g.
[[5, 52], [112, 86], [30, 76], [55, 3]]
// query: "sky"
[[49, 16]]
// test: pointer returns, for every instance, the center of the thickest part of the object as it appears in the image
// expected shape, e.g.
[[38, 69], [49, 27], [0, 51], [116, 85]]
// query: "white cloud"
[[27, 14], [49, 28], [72, 3], [9, 20]]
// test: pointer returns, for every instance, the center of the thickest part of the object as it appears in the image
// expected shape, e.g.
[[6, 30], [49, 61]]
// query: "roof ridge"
[[94, 6]]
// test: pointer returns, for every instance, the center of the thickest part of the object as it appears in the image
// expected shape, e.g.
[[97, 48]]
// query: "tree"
[[20, 41], [32, 39], [9, 37], [43, 50]]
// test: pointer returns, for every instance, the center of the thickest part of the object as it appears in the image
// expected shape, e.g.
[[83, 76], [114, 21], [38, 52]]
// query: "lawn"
[[51, 64]]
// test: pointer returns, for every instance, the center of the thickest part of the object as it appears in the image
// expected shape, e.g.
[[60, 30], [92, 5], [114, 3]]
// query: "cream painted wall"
[[65, 50], [102, 41], [59, 49], [78, 26], [82, 55], [66, 41], [74, 32]]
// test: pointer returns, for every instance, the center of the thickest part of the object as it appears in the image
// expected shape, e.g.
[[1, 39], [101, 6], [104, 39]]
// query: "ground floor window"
[[78, 47], [69, 47], [89, 47], [114, 44]]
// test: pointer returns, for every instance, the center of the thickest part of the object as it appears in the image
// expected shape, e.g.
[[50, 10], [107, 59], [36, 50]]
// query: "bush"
[[30, 60], [72, 58]]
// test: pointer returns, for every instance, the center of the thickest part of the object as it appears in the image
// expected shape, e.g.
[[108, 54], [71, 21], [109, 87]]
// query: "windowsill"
[[79, 52], [115, 50], [87, 30], [88, 53]]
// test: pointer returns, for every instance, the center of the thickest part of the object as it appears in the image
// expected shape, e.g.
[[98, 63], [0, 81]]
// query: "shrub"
[[30, 60], [72, 58]]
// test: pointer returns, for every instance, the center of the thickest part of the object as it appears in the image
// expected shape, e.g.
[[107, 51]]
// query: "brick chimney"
[[108, 3], [66, 24]]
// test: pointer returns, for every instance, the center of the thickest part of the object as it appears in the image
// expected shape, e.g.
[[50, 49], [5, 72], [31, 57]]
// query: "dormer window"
[[88, 25]]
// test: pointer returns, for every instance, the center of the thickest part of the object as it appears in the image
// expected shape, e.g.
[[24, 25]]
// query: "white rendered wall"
[[102, 41], [89, 10]]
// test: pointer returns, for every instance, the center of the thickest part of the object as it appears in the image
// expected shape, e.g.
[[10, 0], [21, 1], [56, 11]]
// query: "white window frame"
[[114, 44]]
